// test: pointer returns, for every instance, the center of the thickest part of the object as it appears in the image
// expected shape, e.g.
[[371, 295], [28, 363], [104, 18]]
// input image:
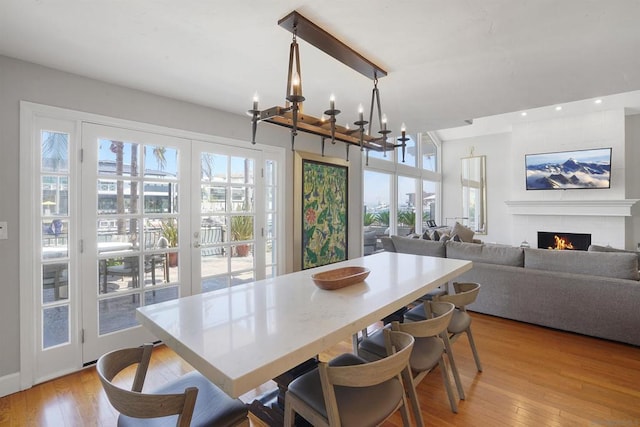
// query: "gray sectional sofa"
[[593, 292]]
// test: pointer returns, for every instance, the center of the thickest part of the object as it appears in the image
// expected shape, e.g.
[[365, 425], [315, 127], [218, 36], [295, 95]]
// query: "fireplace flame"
[[562, 244]]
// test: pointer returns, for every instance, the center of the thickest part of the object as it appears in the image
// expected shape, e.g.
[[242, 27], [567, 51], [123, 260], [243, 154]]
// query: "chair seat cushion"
[[361, 406], [416, 314], [213, 406], [373, 348], [426, 353]]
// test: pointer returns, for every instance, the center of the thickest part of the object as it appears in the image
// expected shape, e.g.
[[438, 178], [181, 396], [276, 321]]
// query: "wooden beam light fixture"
[[292, 116]]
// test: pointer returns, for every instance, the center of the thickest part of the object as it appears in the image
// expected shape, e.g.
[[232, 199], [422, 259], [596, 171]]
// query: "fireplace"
[[564, 241]]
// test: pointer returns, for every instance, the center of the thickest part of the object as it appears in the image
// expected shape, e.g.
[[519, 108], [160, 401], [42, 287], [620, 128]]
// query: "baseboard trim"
[[9, 384]]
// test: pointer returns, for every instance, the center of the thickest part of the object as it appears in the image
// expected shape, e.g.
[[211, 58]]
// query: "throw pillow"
[[465, 233], [426, 236], [435, 235]]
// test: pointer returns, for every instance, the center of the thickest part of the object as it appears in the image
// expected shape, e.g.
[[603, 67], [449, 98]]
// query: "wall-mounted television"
[[569, 169]]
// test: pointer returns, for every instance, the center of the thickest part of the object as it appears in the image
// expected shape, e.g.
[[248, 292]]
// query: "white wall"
[[496, 148], [24, 81], [632, 136]]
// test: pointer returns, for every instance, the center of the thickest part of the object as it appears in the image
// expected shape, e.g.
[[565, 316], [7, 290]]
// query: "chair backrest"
[[151, 238], [134, 403], [432, 326], [399, 346], [466, 293]]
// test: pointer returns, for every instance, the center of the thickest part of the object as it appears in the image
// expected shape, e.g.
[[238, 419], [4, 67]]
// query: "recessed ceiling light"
[[524, 113], [598, 101], [558, 107]]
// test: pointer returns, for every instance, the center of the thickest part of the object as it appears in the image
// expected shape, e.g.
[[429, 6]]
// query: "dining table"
[[243, 336]]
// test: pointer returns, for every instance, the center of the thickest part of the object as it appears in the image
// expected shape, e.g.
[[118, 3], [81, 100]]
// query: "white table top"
[[246, 335]]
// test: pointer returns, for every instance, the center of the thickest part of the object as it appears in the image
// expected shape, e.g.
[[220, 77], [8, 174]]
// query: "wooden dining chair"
[[349, 391], [465, 294], [191, 400], [432, 343]]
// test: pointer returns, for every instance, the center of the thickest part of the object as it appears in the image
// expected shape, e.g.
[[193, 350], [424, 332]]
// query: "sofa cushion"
[[489, 254], [603, 264], [387, 244], [465, 233], [418, 246], [597, 248]]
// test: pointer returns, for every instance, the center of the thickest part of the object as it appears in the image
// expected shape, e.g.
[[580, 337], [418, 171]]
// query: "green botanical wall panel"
[[324, 213]]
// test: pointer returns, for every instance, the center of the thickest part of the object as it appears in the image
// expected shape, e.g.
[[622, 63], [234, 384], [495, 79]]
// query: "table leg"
[[355, 340]]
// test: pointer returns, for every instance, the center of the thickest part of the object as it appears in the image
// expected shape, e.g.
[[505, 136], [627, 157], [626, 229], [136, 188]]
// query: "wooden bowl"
[[340, 277]]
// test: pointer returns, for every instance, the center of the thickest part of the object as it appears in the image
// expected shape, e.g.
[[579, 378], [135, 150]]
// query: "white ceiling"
[[448, 60]]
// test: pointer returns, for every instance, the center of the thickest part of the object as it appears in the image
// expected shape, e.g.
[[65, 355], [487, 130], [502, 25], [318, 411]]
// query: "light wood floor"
[[532, 377]]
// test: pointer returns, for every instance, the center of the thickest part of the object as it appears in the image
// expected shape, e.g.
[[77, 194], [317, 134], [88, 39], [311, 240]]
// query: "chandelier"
[[292, 116]]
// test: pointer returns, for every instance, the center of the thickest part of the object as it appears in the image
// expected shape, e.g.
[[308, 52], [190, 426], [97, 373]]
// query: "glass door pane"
[[55, 220], [272, 218], [225, 216]]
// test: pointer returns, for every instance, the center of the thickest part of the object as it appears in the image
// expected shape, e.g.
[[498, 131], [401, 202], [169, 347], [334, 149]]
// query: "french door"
[[227, 248], [135, 222]]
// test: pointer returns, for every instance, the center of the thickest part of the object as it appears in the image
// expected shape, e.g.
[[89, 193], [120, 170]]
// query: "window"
[[428, 201], [376, 208], [429, 153], [396, 194], [406, 204]]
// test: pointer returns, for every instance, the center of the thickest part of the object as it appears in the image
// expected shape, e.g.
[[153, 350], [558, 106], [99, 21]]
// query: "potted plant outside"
[[406, 222], [241, 230], [170, 233]]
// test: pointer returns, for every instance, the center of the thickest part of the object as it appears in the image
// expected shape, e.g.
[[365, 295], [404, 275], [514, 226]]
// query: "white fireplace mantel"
[[572, 207]]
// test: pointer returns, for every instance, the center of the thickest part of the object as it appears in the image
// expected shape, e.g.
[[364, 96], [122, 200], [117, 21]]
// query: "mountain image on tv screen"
[[569, 169]]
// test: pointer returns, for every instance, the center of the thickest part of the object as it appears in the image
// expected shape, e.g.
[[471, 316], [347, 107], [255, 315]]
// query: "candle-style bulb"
[[295, 84], [332, 102], [360, 112], [403, 128], [384, 122], [255, 101]]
